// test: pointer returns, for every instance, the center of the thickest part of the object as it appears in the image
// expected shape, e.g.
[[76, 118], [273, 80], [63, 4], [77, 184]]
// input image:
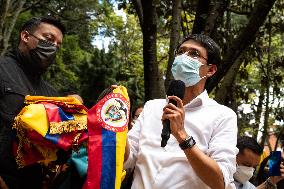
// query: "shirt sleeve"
[[222, 146], [133, 140]]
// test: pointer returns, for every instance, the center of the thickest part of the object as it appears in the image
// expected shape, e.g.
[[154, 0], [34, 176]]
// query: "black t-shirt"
[[16, 81]]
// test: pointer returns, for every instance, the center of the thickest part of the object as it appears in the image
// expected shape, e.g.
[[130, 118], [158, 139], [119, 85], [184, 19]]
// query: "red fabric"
[[31, 154], [66, 140], [36, 138], [52, 112], [94, 151]]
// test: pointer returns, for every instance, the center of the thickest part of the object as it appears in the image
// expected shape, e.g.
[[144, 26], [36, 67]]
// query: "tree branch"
[[139, 10], [8, 30], [201, 16], [175, 28], [246, 38], [237, 12], [216, 9], [229, 78], [4, 15]]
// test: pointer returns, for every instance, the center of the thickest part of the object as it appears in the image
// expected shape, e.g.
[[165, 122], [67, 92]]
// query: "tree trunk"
[[139, 10], [258, 114], [216, 10], [184, 29], [246, 38], [8, 16], [267, 82], [174, 39], [221, 95], [266, 117], [153, 83], [261, 97], [200, 16]]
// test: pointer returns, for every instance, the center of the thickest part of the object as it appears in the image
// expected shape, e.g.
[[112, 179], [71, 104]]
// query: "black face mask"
[[41, 57]]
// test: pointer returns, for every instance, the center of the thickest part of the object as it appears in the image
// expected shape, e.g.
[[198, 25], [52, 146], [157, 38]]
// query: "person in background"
[[137, 111], [21, 74], [135, 115], [201, 151], [248, 159]]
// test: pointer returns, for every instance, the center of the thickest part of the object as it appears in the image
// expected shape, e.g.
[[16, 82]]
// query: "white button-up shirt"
[[213, 127]]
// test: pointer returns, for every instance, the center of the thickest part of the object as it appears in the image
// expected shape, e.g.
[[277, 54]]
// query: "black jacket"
[[16, 81]]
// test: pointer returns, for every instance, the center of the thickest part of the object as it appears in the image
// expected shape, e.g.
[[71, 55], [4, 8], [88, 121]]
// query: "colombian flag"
[[47, 124], [107, 130]]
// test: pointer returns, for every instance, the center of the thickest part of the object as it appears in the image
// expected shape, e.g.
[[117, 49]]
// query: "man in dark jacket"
[[20, 75]]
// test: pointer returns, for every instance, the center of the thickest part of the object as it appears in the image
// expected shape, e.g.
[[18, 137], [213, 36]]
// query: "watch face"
[[188, 143]]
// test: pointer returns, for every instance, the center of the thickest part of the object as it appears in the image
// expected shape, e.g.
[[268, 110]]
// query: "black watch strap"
[[188, 143]]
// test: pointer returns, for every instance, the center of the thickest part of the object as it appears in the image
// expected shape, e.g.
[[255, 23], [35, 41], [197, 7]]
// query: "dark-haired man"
[[20, 75], [247, 160], [201, 153]]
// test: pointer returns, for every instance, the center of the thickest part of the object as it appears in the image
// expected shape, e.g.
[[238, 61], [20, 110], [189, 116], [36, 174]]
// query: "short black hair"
[[32, 24], [213, 50], [249, 143]]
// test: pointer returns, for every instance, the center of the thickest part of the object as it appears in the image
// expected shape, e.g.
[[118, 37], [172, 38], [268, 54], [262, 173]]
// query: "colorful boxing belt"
[[47, 124], [107, 130]]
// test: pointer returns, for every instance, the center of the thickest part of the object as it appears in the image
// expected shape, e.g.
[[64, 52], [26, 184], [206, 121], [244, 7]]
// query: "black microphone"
[[176, 88]]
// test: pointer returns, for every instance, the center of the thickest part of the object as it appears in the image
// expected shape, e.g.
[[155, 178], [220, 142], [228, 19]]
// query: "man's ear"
[[212, 69], [24, 36]]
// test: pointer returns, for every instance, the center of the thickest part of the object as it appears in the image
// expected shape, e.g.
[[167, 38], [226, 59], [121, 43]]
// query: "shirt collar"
[[198, 101]]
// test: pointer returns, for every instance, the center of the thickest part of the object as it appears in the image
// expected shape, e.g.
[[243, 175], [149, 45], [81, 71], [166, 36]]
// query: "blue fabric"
[[80, 161], [53, 138], [65, 116], [108, 159]]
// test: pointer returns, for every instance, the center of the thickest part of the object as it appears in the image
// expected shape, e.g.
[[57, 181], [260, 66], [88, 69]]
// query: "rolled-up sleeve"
[[222, 146]]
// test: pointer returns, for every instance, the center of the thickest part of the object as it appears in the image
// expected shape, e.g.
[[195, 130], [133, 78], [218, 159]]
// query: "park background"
[[132, 42]]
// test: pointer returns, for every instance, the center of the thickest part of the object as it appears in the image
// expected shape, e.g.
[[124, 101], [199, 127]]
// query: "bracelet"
[[269, 184]]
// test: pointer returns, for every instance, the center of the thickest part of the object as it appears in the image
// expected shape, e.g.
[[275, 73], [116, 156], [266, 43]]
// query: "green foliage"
[[64, 75], [86, 70], [97, 75], [126, 46], [253, 78]]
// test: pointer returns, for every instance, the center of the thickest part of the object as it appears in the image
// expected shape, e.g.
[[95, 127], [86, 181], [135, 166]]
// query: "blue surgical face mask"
[[186, 69]]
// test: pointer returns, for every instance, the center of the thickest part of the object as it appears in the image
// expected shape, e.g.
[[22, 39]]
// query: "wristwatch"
[[189, 142]]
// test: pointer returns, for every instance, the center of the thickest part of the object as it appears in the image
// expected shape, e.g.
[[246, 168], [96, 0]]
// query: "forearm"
[[270, 183], [205, 167], [262, 186], [127, 151]]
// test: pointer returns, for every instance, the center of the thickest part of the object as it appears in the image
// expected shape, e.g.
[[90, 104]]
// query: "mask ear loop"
[[207, 74]]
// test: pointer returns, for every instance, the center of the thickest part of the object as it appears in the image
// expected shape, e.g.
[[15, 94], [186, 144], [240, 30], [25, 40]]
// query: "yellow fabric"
[[78, 124], [34, 117], [120, 150], [122, 90], [120, 144], [66, 100]]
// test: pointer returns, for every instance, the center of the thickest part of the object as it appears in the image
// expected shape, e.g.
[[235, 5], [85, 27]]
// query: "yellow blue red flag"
[[107, 131]]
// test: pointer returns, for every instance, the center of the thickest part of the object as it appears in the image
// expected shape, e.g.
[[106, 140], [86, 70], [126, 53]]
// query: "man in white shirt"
[[201, 152]]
